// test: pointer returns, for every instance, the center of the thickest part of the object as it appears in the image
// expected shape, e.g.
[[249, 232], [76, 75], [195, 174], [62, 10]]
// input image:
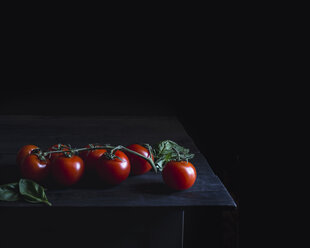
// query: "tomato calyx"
[[69, 154], [65, 149], [111, 155], [60, 146], [39, 154]]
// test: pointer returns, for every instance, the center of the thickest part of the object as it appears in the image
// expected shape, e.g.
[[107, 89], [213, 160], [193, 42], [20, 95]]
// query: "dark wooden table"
[[140, 212]]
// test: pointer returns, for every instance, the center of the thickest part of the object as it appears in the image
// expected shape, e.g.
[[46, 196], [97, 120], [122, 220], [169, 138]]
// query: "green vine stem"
[[113, 149], [178, 154], [148, 159]]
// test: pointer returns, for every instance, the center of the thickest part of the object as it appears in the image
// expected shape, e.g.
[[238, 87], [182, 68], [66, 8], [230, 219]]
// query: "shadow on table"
[[156, 188]]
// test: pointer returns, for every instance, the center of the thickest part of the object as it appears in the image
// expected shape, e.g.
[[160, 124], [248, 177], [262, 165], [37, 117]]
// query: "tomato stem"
[[148, 159], [119, 147], [79, 149], [178, 154]]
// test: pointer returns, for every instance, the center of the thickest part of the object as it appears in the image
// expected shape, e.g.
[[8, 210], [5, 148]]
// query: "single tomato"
[[66, 170], [23, 152], [35, 168], [139, 165], [113, 171], [179, 175], [58, 147], [90, 157]]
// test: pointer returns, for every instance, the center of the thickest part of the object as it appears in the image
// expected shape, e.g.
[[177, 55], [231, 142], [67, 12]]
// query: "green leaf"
[[32, 192], [167, 151], [9, 192]]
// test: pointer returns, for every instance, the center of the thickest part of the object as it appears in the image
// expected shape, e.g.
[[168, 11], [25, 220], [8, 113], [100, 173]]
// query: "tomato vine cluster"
[[110, 164]]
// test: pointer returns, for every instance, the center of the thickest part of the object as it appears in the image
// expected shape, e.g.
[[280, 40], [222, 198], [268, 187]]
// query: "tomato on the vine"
[[67, 170], [139, 165], [113, 170], [91, 157], [179, 175], [58, 147], [24, 152], [35, 168]]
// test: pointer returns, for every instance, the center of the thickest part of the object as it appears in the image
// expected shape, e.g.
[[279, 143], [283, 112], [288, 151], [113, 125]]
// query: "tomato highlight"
[[34, 168]]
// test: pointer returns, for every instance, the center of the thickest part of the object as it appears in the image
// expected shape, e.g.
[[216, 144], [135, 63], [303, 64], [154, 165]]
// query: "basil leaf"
[[32, 192], [9, 192], [169, 150]]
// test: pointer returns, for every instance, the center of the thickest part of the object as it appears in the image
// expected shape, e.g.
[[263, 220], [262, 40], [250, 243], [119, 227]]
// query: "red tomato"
[[35, 169], [179, 175], [23, 152], [139, 165], [113, 171], [90, 157], [67, 170], [57, 147]]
